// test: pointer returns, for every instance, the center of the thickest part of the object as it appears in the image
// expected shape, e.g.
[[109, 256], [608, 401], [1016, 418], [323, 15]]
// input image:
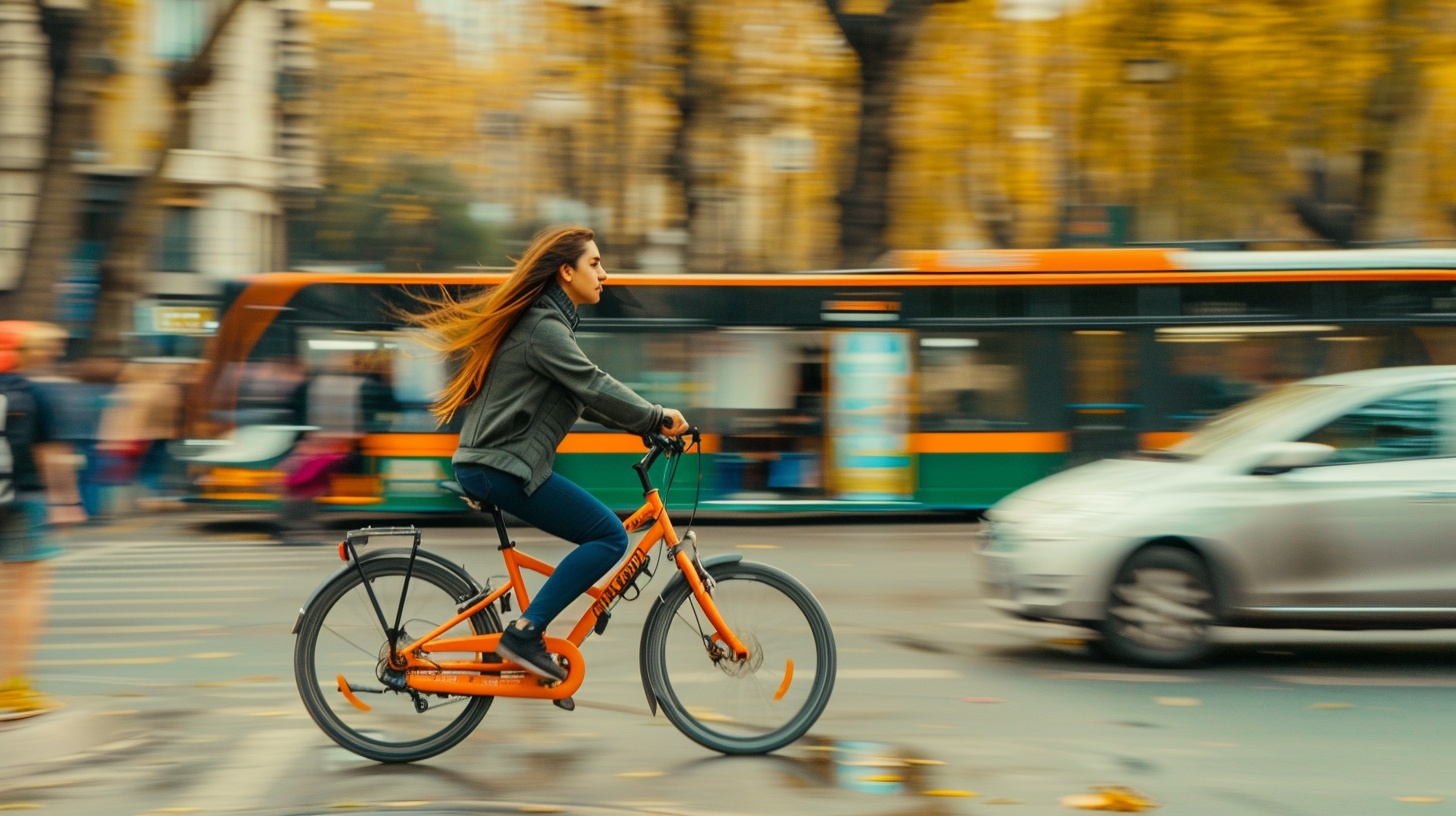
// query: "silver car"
[[1324, 504]]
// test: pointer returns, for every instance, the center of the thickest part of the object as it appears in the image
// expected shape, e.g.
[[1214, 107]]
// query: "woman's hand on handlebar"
[[673, 423]]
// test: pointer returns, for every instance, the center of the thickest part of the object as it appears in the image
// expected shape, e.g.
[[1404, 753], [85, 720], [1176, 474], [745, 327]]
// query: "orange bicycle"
[[395, 655]]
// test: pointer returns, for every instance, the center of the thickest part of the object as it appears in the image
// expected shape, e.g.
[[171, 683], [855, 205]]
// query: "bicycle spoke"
[[342, 625], [753, 705]]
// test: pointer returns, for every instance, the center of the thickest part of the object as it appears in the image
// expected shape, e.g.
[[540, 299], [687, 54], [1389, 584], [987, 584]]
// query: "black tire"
[[340, 634], [1160, 608], [752, 707]]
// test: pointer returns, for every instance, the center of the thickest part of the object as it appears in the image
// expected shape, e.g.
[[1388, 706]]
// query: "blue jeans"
[[563, 509]]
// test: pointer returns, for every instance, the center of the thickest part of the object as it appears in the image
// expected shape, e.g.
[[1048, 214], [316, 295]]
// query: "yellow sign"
[[184, 319]]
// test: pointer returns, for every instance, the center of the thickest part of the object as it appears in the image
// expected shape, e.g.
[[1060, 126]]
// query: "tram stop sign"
[[1094, 225]]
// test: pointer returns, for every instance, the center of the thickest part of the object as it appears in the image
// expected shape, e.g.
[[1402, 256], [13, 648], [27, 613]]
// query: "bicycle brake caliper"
[[691, 539]]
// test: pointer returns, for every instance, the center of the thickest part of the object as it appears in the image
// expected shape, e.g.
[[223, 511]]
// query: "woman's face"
[[583, 280]]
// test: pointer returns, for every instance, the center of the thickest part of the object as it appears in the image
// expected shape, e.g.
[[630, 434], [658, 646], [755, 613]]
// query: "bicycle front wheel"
[[741, 707], [341, 639]]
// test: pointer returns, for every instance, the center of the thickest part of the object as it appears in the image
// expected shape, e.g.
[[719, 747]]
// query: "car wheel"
[[1159, 609]]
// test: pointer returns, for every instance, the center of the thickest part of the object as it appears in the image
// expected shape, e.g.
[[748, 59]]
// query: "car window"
[[1406, 426]]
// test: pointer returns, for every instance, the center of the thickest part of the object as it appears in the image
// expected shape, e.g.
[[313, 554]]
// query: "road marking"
[[115, 644], [249, 599], [125, 630], [106, 661], [898, 674], [151, 590], [1390, 682], [91, 616], [1117, 677]]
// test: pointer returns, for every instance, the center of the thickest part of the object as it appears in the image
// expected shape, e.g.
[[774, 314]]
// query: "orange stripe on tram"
[[991, 442]]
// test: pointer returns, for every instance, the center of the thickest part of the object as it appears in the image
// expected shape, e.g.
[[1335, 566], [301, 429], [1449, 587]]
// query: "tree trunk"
[[75, 43], [881, 41], [125, 263], [691, 96], [1394, 97]]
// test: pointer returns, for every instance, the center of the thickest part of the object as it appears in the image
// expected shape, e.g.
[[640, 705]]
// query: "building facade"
[[249, 152]]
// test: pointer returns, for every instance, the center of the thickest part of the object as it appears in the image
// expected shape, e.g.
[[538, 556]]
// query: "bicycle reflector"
[[343, 553]]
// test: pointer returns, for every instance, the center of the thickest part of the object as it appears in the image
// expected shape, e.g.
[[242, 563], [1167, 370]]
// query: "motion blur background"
[[755, 136], [154, 152]]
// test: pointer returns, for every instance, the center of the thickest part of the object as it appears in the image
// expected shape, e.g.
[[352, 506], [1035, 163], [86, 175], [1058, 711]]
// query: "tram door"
[[1103, 377]]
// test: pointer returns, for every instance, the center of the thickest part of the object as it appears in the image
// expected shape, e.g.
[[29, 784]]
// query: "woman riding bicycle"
[[523, 382]]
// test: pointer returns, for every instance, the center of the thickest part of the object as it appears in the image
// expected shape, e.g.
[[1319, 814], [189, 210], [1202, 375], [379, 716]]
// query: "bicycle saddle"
[[469, 498]]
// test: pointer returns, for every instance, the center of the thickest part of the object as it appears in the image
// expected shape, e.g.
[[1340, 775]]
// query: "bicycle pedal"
[[565, 704]]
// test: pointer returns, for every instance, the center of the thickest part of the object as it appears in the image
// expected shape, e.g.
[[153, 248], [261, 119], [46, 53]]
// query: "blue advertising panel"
[[869, 415]]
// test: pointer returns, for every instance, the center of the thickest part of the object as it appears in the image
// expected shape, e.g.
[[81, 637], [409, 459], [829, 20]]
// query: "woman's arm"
[[553, 353]]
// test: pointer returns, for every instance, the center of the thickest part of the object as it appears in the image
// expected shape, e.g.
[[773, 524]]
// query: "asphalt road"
[[169, 643]]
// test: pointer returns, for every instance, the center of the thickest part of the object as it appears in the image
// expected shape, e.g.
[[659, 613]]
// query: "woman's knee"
[[612, 538]]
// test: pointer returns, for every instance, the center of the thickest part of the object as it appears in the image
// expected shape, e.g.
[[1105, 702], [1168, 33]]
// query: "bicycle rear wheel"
[[340, 635], [750, 707]]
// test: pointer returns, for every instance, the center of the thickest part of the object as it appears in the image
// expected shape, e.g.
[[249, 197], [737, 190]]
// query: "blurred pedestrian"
[[143, 415], [334, 403], [27, 505], [79, 403]]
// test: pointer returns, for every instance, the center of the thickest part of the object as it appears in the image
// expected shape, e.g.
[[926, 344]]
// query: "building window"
[[176, 249], [181, 26]]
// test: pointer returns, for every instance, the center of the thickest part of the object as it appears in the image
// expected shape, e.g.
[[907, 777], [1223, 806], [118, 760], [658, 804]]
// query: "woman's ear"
[[564, 273]]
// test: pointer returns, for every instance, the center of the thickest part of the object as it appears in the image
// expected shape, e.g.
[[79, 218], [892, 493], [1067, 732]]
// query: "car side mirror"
[[1283, 457]]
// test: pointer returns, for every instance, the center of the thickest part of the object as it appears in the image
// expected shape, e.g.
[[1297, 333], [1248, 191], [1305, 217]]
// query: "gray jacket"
[[537, 386]]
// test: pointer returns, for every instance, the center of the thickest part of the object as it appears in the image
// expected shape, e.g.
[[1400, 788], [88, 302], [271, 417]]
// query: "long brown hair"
[[472, 329]]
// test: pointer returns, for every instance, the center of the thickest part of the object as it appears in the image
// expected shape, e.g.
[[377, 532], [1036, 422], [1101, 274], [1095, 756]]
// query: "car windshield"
[[1245, 417]]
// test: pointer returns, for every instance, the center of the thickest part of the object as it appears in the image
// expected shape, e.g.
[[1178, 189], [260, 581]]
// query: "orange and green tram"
[[941, 382]]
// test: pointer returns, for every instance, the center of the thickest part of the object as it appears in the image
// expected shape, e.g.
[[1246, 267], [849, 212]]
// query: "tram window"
[[966, 301], [1438, 344], [399, 375], [1103, 369], [1238, 299], [972, 382], [1104, 301], [1400, 298], [1216, 367], [658, 365]]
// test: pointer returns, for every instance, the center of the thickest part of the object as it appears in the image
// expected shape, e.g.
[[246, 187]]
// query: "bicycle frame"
[[471, 677]]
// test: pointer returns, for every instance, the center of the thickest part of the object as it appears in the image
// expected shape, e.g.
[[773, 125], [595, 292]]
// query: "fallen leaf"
[[959, 793], [1178, 701], [882, 778], [1002, 800], [1420, 800], [1332, 706], [981, 699], [1110, 797]]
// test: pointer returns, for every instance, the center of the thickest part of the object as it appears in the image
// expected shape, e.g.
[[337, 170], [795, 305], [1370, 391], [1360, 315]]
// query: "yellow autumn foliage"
[[1201, 117]]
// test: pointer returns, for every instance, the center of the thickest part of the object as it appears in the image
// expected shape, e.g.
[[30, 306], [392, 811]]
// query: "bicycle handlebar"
[[669, 444], [658, 444]]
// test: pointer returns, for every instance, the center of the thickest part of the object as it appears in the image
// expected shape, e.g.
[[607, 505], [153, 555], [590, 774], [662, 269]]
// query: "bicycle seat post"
[[500, 528]]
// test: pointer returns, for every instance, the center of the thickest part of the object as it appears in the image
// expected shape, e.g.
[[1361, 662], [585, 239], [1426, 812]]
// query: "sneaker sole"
[[527, 665]]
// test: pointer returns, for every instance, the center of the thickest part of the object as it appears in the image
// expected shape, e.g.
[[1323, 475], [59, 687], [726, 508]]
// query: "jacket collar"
[[557, 297]]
